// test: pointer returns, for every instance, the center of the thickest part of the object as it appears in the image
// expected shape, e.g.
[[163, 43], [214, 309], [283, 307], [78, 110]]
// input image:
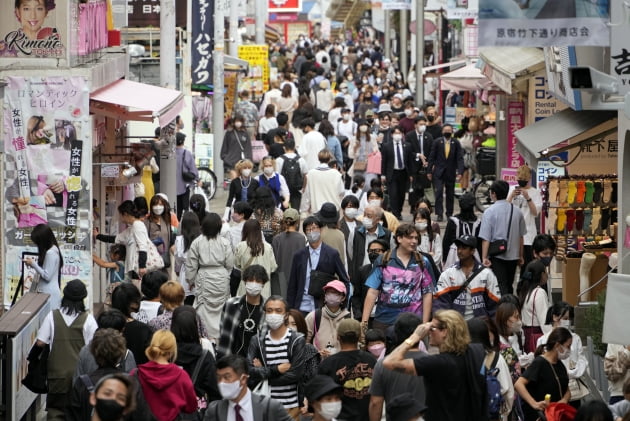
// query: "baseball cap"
[[336, 285], [291, 214], [404, 407], [466, 240], [349, 327], [369, 113]]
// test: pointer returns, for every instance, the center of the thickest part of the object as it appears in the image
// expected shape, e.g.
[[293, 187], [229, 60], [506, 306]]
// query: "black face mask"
[[447, 135], [522, 183], [370, 120], [109, 409], [431, 118], [373, 255]]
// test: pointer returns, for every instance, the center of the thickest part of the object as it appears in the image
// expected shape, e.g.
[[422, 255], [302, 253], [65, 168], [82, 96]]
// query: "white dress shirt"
[[246, 411]]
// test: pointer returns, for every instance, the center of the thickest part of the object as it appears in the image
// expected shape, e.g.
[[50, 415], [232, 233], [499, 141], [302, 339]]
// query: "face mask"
[[313, 236], [364, 81], [422, 226], [158, 210], [108, 409], [344, 90], [238, 124], [274, 321], [246, 172], [268, 170], [230, 390], [516, 326], [363, 129], [431, 118], [351, 212], [447, 135], [385, 91], [373, 255], [522, 183], [350, 77], [253, 288], [422, 128], [330, 410], [370, 120], [397, 137], [333, 299], [376, 349], [408, 112], [565, 324], [346, 117], [546, 260], [367, 223], [378, 80], [375, 202], [565, 353]]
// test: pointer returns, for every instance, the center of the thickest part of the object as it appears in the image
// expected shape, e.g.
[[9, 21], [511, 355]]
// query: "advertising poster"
[[543, 23], [516, 121], [33, 28], [48, 160], [257, 79]]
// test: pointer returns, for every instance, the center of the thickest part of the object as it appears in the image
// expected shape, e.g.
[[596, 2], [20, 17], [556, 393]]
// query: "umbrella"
[[559, 412]]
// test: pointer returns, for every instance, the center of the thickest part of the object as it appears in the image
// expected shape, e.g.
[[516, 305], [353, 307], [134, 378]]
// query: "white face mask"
[[423, 128], [397, 137], [375, 202], [346, 117], [274, 321], [246, 172], [408, 112], [238, 124], [268, 170], [363, 129], [158, 209], [565, 323], [230, 390], [367, 223], [565, 353], [330, 410], [351, 212], [516, 326], [422, 226], [253, 288]]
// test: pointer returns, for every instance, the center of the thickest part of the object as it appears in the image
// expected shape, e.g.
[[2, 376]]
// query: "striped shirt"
[[277, 352]]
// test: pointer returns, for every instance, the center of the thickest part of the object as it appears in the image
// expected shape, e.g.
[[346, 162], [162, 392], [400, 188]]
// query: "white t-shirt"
[[530, 219], [46, 332]]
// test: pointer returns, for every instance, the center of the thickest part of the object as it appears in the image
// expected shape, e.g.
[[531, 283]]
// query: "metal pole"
[[168, 78], [402, 48], [419, 52], [234, 28], [388, 34], [261, 21], [217, 98]]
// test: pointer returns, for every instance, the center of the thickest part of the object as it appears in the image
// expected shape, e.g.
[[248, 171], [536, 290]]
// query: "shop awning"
[[506, 65], [145, 102], [234, 62], [467, 78], [539, 140]]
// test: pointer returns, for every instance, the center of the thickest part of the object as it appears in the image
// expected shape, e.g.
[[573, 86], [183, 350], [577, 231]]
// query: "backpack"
[[317, 321], [495, 399], [292, 173], [462, 228]]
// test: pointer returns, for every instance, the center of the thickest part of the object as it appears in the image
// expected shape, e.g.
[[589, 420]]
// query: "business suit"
[[329, 262], [397, 179], [445, 171], [263, 407], [419, 143]]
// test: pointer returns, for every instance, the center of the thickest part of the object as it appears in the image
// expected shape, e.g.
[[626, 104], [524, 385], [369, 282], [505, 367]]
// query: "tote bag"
[[374, 163]]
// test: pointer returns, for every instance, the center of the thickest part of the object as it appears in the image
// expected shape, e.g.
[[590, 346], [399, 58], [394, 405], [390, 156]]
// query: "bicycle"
[[484, 177], [208, 178]]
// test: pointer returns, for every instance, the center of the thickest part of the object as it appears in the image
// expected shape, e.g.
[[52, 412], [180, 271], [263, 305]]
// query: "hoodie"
[[187, 356], [167, 389]]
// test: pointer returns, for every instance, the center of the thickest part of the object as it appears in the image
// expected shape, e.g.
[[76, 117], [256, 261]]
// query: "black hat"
[[466, 240], [319, 386], [328, 214], [404, 407], [75, 290]]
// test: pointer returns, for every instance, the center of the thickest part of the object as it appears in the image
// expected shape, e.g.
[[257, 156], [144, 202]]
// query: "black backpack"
[[292, 172]]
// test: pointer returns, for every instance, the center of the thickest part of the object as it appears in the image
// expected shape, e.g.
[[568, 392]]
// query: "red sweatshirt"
[[168, 390]]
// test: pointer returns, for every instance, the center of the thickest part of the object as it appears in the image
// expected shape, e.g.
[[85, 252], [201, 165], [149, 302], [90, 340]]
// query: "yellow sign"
[[257, 79]]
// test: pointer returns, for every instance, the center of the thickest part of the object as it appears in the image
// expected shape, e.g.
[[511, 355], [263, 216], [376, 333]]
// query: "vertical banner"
[[47, 170], [544, 23], [257, 80], [516, 121], [203, 44]]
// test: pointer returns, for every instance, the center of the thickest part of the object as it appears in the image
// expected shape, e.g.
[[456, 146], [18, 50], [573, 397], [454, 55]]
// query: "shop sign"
[[202, 41], [546, 169], [284, 6], [146, 13], [257, 79], [516, 121], [396, 4], [47, 126], [110, 171], [504, 23], [509, 175], [541, 103], [619, 49]]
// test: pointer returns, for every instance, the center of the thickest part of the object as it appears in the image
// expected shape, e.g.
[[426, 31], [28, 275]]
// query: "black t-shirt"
[[446, 387], [247, 327], [543, 378], [353, 370]]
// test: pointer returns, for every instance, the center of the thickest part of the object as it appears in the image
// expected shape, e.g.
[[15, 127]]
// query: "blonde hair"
[[172, 295], [325, 156], [163, 344], [524, 173], [243, 163], [457, 336]]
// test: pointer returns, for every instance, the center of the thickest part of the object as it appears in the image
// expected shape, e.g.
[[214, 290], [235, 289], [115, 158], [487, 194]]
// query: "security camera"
[[591, 80]]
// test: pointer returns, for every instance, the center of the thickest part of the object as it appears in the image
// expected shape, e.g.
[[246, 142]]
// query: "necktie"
[[447, 148], [237, 413], [399, 157]]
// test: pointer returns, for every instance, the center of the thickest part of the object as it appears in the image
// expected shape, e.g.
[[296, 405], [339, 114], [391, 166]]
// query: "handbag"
[[262, 388], [154, 259], [578, 389], [360, 165], [497, 247], [318, 279], [36, 379], [374, 163]]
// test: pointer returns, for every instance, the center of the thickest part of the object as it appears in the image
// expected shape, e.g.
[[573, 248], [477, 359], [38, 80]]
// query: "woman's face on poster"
[[31, 14]]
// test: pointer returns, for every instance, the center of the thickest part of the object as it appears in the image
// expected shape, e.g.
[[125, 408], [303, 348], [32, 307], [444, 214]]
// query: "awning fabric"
[[146, 102], [467, 78], [506, 64], [569, 125], [231, 61]]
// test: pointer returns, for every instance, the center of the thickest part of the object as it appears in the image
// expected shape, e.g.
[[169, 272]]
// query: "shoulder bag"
[[318, 279], [500, 246]]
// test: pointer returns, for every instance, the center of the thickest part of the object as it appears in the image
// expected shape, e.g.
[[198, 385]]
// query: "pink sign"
[[516, 121], [509, 175]]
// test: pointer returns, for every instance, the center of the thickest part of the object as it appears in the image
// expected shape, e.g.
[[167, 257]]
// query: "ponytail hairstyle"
[[358, 183], [558, 335], [163, 344]]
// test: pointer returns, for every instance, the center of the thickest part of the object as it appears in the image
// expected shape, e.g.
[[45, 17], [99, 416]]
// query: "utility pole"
[[388, 34], [261, 21], [168, 79], [234, 41], [218, 107], [419, 52], [404, 28]]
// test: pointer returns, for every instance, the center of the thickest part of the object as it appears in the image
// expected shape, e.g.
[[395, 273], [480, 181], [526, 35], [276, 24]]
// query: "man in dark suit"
[[238, 402], [315, 256], [446, 165], [420, 144], [395, 169]]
